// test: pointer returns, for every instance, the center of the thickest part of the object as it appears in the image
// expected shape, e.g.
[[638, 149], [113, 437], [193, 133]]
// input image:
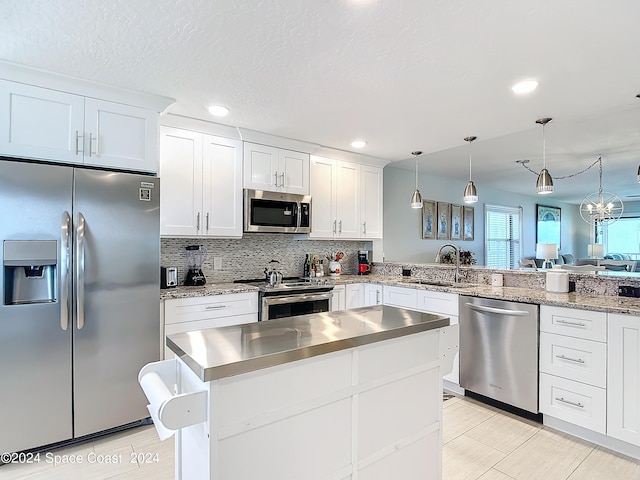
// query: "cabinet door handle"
[[575, 404], [377, 297], [198, 222], [215, 307], [340, 226], [91, 152], [78, 137], [334, 227], [207, 222], [573, 324], [276, 176], [364, 228], [282, 177], [577, 360]]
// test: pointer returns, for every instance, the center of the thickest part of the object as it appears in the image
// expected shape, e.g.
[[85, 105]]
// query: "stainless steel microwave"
[[273, 212]]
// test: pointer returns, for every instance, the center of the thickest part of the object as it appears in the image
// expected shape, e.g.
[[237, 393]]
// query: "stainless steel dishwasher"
[[499, 350]]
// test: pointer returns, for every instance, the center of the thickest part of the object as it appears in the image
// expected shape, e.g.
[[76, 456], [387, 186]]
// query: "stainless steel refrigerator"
[[80, 300]]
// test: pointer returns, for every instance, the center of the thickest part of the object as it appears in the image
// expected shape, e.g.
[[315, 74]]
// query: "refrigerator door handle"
[[64, 270], [80, 231]]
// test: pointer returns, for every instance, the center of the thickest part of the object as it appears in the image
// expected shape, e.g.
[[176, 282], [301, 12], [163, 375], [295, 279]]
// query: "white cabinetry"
[[275, 169], [347, 199], [354, 295], [573, 359], [443, 303], [372, 294], [400, 297], [52, 125], [197, 313], [338, 300], [201, 184], [623, 400]]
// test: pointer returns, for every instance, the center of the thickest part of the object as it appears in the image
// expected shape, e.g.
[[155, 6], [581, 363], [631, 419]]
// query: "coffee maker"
[[364, 267], [195, 258]]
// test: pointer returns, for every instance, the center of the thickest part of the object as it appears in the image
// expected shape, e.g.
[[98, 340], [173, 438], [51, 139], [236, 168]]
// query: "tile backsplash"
[[247, 257]]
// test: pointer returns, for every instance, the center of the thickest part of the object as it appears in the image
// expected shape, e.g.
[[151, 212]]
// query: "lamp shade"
[[470, 193], [547, 251], [544, 185], [416, 199], [595, 250]]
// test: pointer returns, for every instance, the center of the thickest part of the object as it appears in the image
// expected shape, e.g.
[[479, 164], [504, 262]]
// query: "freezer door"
[[116, 324], [35, 348]]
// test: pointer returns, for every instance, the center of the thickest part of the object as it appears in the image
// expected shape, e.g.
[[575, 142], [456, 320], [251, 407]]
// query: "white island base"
[[370, 408], [367, 413]]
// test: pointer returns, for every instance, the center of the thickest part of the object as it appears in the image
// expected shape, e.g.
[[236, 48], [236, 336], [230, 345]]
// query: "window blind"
[[503, 236]]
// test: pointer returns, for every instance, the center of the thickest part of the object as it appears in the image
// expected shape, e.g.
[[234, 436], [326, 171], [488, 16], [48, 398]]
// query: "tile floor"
[[480, 443]]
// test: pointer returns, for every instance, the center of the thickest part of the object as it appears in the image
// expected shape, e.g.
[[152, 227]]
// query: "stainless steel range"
[[292, 296]]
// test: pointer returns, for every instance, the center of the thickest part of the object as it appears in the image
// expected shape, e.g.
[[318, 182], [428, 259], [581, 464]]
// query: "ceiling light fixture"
[[601, 208], [218, 110], [526, 86], [358, 144], [544, 185], [416, 198], [470, 192]]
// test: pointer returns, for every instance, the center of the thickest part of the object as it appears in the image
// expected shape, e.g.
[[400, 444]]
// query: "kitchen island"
[[334, 395]]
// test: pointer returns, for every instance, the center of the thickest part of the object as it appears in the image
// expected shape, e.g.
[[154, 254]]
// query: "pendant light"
[[601, 208], [416, 198], [544, 185], [470, 193]]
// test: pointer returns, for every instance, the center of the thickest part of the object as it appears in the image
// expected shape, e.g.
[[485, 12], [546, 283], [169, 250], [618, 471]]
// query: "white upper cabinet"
[[371, 201], [201, 184], [120, 136], [276, 170], [346, 199], [51, 125], [40, 123]]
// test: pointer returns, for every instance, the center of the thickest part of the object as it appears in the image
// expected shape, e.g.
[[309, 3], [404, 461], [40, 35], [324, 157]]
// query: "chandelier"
[[601, 208]]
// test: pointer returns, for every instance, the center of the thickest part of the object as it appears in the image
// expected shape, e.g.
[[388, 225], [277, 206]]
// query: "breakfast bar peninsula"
[[331, 396]]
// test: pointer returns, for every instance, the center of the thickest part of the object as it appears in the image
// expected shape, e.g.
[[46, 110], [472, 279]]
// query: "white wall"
[[403, 225]]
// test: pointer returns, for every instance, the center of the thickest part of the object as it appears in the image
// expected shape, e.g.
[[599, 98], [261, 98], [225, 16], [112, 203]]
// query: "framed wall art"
[[444, 221], [456, 222], [468, 228], [429, 219], [548, 224]]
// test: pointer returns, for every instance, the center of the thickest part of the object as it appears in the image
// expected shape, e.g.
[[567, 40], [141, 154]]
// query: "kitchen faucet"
[[456, 278]]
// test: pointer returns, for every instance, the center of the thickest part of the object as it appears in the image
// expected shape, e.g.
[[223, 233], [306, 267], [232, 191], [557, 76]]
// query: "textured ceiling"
[[404, 75]]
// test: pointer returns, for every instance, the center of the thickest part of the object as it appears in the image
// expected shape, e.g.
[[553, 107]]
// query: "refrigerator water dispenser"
[[30, 271]]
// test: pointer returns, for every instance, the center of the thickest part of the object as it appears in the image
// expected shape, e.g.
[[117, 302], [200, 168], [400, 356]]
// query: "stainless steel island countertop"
[[223, 352]]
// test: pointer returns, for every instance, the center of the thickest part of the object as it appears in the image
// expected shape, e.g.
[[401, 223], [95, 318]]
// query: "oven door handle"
[[295, 298]]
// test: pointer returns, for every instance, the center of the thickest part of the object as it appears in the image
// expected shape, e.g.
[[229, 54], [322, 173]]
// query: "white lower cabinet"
[[372, 294], [354, 295], [400, 297], [573, 366], [197, 313], [623, 400], [337, 302]]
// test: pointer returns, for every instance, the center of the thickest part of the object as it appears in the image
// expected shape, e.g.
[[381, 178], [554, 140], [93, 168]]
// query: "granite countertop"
[[206, 290], [602, 303], [226, 351]]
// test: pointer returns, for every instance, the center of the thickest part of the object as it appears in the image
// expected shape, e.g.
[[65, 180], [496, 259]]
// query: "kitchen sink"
[[440, 284]]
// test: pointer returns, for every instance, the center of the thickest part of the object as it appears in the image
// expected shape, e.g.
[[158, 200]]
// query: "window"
[[623, 238], [503, 234]]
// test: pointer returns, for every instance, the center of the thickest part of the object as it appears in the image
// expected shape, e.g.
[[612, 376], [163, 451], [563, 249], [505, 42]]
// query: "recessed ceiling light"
[[218, 110], [526, 86], [358, 143]]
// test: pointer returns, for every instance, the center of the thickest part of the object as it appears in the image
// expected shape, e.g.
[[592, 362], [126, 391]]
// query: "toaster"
[[168, 277]]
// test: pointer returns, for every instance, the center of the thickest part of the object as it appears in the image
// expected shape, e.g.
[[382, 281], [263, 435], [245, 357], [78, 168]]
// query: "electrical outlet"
[[217, 263]]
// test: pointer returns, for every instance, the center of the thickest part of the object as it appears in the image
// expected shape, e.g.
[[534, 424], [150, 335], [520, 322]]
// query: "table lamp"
[[595, 250], [548, 252]]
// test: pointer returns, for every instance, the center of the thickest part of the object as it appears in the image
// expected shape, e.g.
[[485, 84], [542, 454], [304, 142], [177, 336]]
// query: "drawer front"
[[182, 310], [400, 297], [573, 402], [438, 302], [574, 359], [574, 323]]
